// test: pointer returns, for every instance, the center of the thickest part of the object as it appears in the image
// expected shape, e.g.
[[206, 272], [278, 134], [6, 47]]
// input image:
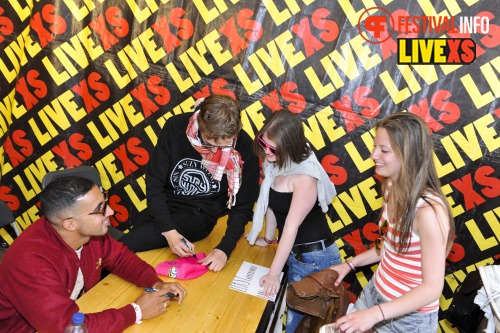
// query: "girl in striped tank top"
[[416, 234]]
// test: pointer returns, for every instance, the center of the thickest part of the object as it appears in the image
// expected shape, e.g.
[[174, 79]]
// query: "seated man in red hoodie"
[[61, 256]]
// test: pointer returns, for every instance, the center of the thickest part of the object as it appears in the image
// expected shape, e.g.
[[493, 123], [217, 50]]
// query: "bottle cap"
[[78, 318]]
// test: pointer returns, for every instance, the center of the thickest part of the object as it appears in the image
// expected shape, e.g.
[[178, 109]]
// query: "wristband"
[[351, 265], [138, 313], [269, 241], [383, 315]]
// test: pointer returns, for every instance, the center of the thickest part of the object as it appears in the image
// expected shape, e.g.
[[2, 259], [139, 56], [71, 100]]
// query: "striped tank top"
[[399, 273]]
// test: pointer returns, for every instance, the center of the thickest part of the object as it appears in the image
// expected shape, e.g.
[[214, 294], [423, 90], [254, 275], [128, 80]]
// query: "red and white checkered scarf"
[[224, 160]]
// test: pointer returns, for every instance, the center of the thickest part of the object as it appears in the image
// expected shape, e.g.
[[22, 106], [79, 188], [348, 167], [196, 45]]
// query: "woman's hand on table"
[[260, 241], [270, 284]]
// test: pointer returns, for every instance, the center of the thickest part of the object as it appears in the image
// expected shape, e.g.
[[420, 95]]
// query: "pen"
[[187, 245], [151, 290]]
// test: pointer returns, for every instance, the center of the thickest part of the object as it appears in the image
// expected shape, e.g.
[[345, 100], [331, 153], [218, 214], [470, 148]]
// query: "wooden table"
[[210, 305]]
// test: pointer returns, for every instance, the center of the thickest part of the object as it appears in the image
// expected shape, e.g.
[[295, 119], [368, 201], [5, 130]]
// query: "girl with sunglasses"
[[416, 234], [294, 197]]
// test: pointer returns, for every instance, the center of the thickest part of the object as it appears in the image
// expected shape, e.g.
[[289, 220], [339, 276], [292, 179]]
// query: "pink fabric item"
[[183, 268]]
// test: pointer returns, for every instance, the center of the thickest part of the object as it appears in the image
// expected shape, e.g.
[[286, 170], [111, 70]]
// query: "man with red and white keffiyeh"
[[203, 167]]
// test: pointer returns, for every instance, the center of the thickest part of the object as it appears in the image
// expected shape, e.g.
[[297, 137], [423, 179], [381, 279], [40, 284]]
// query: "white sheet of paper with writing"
[[247, 280]]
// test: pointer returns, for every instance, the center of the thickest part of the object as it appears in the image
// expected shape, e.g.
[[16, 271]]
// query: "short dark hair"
[[286, 130], [219, 117], [62, 193]]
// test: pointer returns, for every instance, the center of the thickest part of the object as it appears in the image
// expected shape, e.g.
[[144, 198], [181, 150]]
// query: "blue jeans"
[[415, 322], [309, 263]]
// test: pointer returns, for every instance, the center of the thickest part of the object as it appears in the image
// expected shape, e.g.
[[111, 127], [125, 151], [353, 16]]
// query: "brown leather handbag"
[[317, 296]]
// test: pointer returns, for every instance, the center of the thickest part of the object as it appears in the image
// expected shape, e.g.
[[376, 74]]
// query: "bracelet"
[[138, 313], [269, 241], [351, 265], [383, 315]]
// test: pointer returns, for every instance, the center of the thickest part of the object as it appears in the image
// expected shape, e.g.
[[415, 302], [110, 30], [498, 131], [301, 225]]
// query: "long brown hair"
[[286, 130], [412, 144]]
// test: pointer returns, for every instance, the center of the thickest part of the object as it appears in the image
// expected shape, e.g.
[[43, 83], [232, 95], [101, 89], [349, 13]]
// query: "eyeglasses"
[[208, 145], [265, 145], [102, 210], [382, 231]]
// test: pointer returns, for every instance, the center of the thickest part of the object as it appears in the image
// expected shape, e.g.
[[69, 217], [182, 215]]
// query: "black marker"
[[187, 245]]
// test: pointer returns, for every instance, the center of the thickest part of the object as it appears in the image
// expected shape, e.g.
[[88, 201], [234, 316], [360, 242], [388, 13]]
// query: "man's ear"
[[69, 224]]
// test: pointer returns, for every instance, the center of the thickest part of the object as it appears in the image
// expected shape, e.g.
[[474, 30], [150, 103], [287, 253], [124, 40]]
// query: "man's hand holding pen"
[[185, 242], [156, 299], [178, 244]]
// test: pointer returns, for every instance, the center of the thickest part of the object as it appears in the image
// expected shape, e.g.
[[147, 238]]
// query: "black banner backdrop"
[[93, 82]]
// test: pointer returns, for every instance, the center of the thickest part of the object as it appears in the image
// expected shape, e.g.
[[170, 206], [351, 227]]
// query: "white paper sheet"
[[247, 280]]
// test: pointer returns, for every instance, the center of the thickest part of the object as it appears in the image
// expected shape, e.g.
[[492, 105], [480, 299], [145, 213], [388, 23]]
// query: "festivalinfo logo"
[[376, 25]]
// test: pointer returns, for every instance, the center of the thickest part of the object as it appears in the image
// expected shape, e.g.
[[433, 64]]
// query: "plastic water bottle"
[[78, 325]]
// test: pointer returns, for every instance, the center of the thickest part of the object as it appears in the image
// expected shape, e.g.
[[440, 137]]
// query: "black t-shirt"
[[175, 179]]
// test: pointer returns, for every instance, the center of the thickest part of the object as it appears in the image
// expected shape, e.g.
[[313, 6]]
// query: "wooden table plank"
[[210, 305]]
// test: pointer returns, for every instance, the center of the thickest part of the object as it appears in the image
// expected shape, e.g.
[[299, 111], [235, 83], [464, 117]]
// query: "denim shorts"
[[414, 322], [312, 262]]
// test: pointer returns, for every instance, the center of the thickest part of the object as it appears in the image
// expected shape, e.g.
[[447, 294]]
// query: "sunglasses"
[[104, 207], [208, 145], [102, 210], [382, 231], [265, 145]]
